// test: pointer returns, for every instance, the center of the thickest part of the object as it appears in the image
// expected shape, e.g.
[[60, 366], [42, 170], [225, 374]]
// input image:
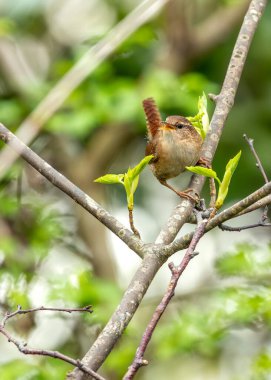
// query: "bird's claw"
[[194, 197], [204, 162]]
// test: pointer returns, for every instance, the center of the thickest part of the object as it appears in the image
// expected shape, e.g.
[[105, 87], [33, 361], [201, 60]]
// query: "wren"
[[174, 143]]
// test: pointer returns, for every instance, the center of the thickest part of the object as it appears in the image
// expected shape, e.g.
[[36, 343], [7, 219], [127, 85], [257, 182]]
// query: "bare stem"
[[212, 193], [131, 221], [260, 167], [42, 308], [224, 227], [176, 273], [255, 154]]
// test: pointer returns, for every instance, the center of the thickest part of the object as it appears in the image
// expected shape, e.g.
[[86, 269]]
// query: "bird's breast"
[[174, 151]]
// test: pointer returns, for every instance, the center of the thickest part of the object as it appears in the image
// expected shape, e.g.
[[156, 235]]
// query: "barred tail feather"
[[153, 117]]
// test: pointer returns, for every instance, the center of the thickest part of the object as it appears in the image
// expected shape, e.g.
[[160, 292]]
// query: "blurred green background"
[[54, 253]]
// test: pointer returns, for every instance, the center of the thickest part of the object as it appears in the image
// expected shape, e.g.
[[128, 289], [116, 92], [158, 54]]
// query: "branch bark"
[[71, 190], [154, 255]]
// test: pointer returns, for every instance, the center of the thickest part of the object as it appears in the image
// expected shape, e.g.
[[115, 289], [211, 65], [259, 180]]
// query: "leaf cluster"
[[129, 180], [224, 183]]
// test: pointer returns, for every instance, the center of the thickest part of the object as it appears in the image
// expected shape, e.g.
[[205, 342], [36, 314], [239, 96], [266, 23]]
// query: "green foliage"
[[6, 26], [37, 229], [123, 355], [246, 260], [129, 180], [83, 288], [206, 172], [201, 120], [41, 370], [225, 183], [262, 366], [202, 327]]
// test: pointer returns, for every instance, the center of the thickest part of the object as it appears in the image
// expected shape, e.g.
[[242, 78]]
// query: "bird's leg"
[[204, 162], [182, 194]]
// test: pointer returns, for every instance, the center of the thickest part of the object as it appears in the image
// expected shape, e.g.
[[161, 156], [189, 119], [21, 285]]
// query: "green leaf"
[[110, 179], [130, 184], [131, 179], [202, 105], [224, 187], [201, 121], [132, 173], [206, 172]]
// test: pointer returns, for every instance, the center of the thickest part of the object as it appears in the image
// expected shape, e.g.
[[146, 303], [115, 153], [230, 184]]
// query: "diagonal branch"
[[231, 212], [176, 272], [71, 190], [22, 347]]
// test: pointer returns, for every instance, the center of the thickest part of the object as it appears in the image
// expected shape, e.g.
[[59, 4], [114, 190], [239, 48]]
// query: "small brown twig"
[[131, 221], [22, 347], [259, 165], [176, 272], [224, 227], [212, 193], [42, 308], [258, 161]]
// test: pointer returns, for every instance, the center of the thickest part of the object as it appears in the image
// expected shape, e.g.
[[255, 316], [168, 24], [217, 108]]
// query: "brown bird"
[[175, 144]]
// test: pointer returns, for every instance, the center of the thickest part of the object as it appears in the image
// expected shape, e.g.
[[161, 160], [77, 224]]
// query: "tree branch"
[[231, 212], [22, 347], [71, 190], [176, 272]]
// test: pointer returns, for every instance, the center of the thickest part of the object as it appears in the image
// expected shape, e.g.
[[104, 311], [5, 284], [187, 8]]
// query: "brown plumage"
[[174, 143], [153, 117]]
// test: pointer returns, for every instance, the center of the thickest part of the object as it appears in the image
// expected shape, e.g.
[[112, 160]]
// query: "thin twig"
[[176, 272], [261, 168], [224, 227], [212, 193], [42, 308], [22, 347], [229, 213], [131, 221], [258, 161]]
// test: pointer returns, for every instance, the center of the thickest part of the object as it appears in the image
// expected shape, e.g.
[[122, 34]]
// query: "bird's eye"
[[179, 125]]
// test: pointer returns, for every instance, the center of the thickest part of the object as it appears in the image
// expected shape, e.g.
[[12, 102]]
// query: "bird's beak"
[[166, 126]]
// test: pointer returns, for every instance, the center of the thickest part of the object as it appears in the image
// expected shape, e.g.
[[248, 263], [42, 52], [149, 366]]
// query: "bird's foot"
[[204, 162], [194, 197]]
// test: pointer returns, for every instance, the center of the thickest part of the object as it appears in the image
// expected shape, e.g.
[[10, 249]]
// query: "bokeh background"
[[53, 253]]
